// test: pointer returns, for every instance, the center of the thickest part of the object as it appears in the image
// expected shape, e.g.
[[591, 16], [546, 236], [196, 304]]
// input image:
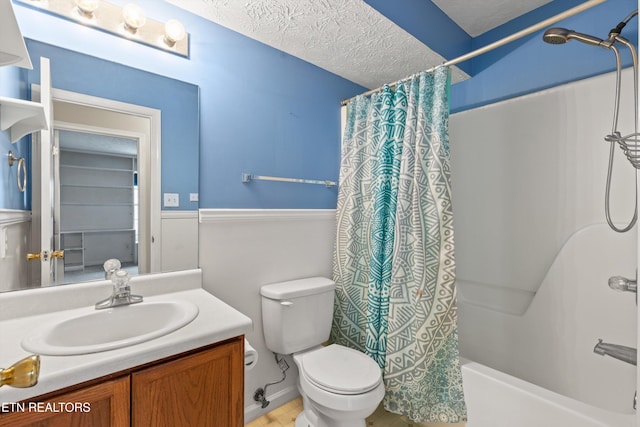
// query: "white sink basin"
[[101, 330]]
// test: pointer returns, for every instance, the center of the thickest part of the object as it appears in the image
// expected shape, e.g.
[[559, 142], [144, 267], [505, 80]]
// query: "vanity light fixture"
[[173, 32], [133, 17], [128, 22], [87, 7]]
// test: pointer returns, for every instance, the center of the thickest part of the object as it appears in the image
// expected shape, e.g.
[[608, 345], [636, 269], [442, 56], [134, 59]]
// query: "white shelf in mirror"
[[13, 50], [21, 117], [16, 115]]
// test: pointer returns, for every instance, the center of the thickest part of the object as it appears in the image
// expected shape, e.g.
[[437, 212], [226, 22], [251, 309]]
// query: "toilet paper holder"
[[250, 356]]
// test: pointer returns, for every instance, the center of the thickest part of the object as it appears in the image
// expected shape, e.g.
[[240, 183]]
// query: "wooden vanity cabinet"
[[203, 388], [102, 405]]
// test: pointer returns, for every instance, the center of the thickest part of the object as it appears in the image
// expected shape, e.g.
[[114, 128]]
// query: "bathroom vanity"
[[201, 388], [193, 376]]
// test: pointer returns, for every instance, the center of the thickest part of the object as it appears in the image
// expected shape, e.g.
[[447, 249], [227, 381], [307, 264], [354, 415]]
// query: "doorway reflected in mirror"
[[99, 203]]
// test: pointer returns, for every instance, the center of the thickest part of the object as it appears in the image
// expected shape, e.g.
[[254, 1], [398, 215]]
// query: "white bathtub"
[[495, 399]]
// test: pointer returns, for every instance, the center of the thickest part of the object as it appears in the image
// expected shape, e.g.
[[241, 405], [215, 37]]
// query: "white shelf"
[[21, 117], [128, 187], [13, 51], [94, 168], [109, 230], [95, 204]]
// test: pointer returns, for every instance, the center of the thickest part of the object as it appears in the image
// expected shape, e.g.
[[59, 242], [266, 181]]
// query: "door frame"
[[149, 166], [142, 152]]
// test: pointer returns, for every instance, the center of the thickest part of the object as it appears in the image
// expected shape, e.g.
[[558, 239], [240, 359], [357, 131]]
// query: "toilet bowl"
[[339, 386]]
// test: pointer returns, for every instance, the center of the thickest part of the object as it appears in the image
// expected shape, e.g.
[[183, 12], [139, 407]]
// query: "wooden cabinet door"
[[204, 389], [102, 405]]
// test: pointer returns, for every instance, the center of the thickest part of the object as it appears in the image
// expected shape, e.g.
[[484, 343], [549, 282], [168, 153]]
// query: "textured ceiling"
[[346, 37], [477, 17]]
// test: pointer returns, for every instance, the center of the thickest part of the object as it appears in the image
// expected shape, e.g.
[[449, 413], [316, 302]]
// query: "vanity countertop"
[[216, 321]]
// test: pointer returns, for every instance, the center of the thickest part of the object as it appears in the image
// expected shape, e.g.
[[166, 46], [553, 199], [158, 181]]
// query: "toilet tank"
[[297, 315]]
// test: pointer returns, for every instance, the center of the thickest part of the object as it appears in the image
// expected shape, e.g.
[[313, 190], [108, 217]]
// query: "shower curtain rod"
[[513, 37]]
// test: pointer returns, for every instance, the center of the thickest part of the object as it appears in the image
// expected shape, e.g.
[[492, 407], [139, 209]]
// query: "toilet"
[[339, 386]]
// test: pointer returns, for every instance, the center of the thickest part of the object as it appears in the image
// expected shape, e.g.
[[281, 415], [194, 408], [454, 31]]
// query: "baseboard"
[[277, 399]]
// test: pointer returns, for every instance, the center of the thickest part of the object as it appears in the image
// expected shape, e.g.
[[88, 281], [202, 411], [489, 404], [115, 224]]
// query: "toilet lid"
[[341, 370]]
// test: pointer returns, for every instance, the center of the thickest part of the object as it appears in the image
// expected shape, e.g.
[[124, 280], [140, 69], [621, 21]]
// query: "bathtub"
[[495, 399]]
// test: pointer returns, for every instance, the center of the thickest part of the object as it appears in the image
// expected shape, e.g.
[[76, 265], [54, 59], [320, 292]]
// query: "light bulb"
[[87, 7], [134, 18], [173, 32]]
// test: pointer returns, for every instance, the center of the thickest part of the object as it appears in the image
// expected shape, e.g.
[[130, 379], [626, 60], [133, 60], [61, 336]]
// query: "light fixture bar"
[[109, 18]]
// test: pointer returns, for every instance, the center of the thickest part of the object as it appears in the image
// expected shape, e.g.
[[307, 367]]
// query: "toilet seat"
[[341, 370]]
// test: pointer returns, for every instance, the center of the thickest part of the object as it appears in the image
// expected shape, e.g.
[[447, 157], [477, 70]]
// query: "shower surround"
[[534, 253]]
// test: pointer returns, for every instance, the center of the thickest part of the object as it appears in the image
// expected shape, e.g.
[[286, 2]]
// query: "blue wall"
[[441, 34], [262, 111], [11, 86], [266, 112], [529, 65], [524, 66], [178, 102]]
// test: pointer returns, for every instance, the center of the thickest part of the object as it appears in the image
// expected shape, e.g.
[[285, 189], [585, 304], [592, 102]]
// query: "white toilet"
[[340, 387]]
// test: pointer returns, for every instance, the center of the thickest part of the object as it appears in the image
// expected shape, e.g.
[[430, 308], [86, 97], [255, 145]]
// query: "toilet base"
[[302, 421], [326, 409]]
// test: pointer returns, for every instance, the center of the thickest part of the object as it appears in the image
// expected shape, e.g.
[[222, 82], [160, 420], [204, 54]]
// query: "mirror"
[[96, 185]]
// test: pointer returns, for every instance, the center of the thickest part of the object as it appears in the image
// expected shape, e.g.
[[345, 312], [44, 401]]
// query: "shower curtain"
[[394, 259]]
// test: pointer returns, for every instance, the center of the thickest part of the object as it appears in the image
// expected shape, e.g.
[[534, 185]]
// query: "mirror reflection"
[[122, 138], [99, 203]]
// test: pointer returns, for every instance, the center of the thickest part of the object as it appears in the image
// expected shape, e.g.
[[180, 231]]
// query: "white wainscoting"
[[244, 249], [15, 229], [179, 237]]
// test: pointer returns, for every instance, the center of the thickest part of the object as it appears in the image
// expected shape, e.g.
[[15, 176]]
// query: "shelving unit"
[[21, 117], [18, 116], [96, 208], [73, 244]]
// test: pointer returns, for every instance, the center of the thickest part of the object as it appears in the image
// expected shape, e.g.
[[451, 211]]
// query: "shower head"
[[562, 35]]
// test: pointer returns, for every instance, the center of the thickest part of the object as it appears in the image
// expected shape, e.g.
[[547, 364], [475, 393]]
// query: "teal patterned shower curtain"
[[394, 260]]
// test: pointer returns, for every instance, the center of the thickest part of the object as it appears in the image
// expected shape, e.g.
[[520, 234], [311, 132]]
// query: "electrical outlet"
[[193, 197], [171, 200]]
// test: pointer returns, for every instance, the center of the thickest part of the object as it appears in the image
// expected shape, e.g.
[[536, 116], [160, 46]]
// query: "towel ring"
[[22, 170]]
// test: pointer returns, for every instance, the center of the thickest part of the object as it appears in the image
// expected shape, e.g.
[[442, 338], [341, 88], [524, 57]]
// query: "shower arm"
[[618, 29]]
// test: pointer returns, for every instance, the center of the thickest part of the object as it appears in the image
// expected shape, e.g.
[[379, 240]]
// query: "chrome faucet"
[[121, 290], [620, 352], [622, 284], [111, 266]]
